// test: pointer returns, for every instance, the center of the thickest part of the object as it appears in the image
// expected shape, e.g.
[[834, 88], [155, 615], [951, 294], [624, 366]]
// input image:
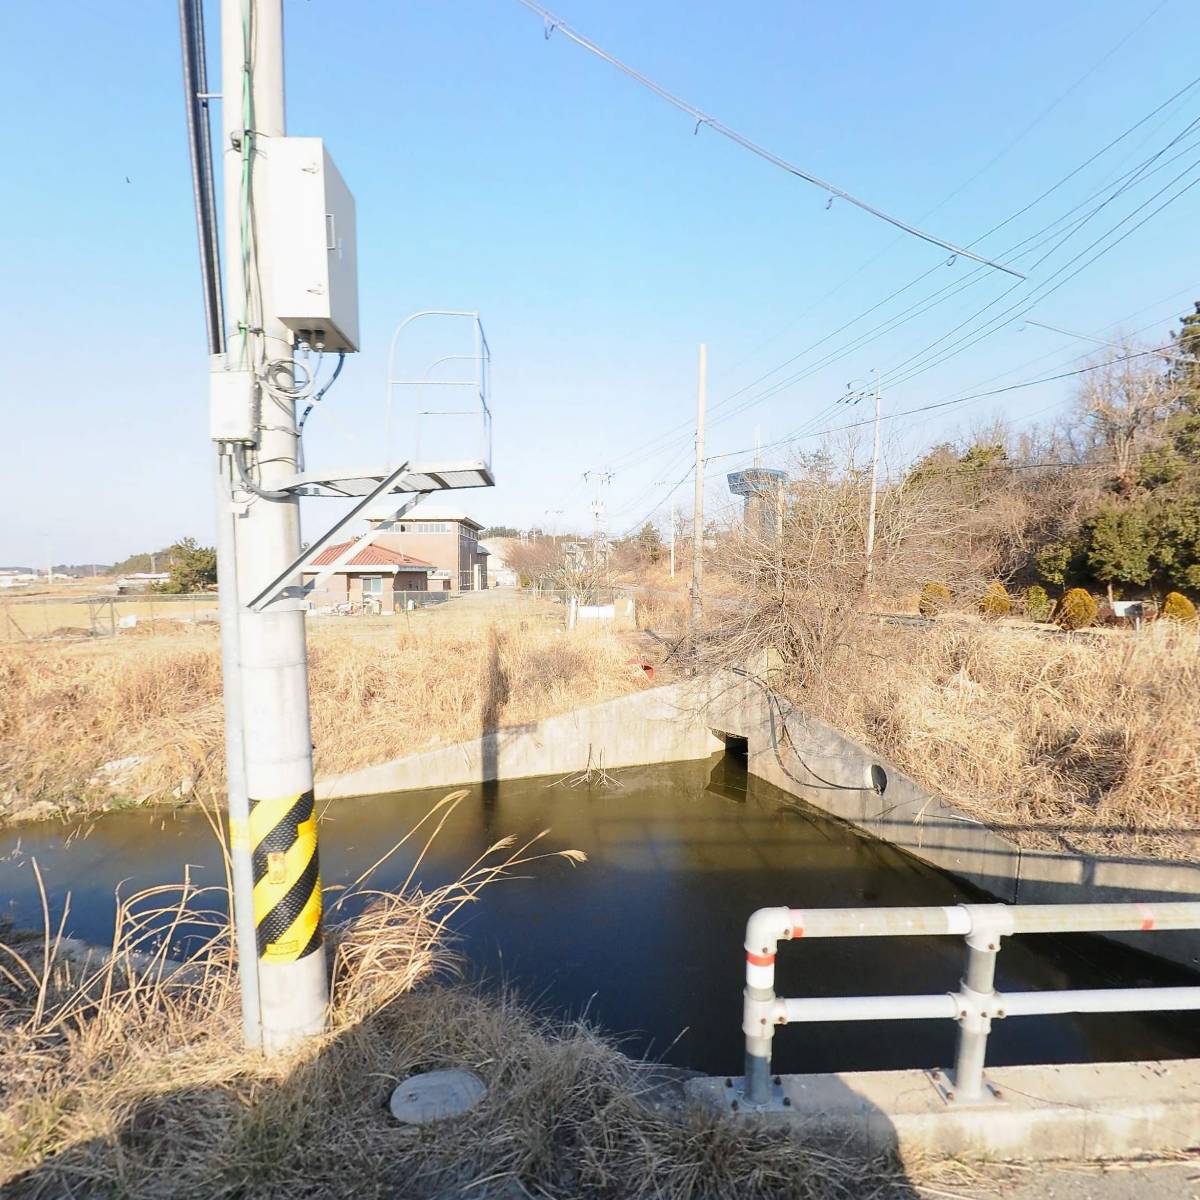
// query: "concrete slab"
[[1044, 1113]]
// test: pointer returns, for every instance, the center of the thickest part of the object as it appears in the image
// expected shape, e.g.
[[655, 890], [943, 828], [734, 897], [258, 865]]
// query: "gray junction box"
[[314, 280]]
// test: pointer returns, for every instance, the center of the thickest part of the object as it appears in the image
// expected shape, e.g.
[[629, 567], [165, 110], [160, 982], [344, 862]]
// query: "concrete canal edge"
[[662, 724], [808, 759], [1074, 1112]]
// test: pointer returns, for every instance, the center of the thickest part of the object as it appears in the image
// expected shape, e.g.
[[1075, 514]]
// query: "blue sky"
[[601, 240]]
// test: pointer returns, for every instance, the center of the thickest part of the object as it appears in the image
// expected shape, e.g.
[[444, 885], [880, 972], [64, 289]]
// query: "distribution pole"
[[674, 522], [698, 513], [874, 482], [279, 838], [599, 519]]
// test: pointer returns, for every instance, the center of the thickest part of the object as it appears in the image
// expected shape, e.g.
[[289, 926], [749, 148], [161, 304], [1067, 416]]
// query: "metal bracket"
[[733, 1097], [279, 589], [944, 1086], [759, 1017]]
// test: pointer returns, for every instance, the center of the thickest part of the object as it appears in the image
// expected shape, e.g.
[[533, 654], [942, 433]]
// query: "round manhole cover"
[[436, 1095]]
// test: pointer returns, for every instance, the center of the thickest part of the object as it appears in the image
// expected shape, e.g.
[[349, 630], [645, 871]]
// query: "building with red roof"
[[372, 575]]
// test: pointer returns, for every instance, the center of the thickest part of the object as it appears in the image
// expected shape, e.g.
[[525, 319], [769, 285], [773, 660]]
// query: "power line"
[[991, 163], [701, 118], [804, 430], [1012, 387], [947, 291], [1032, 242], [1030, 302]]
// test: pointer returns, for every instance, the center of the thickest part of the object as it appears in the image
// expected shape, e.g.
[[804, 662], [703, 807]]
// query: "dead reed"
[[1087, 741], [122, 1078], [88, 725]]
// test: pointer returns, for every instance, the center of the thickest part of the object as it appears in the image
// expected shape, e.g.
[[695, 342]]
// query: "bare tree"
[[800, 587], [1120, 412]]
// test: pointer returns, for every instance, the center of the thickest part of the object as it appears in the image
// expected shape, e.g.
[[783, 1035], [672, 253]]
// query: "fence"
[[974, 1006], [323, 602], [29, 618]]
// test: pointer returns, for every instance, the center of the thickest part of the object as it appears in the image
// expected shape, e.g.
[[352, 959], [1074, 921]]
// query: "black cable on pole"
[[191, 38], [203, 98], [553, 23]]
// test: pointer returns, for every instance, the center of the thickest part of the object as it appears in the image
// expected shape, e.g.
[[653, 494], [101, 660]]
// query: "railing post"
[[765, 929], [976, 996]]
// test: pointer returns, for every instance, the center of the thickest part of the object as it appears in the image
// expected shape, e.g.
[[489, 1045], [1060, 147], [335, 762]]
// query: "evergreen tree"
[[192, 567]]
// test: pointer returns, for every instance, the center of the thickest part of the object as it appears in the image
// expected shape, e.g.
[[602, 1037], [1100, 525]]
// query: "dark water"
[[646, 937]]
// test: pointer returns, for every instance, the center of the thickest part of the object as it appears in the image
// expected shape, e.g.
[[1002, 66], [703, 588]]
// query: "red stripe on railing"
[[760, 960]]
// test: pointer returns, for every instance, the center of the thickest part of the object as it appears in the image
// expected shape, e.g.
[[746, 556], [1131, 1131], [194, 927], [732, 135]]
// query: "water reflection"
[[647, 936]]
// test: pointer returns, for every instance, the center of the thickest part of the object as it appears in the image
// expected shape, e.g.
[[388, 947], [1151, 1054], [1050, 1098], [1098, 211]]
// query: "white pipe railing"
[[975, 1005]]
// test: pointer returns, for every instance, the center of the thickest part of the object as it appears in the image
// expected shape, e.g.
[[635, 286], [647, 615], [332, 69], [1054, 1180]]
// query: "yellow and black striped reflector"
[[287, 877]]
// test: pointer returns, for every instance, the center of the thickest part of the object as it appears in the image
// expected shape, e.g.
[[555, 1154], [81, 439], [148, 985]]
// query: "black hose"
[[777, 707], [191, 36]]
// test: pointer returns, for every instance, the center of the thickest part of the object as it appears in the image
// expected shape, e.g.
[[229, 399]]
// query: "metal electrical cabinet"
[[315, 275]]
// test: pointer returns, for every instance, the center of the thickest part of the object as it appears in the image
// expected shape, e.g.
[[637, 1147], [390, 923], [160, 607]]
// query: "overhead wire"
[[934, 299], [948, 403], [1040, 293], [701, 118], [809, 428], [1042, 289], [972, 278]]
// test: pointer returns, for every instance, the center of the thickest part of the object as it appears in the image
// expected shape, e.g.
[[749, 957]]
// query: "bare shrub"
[[799, 589]]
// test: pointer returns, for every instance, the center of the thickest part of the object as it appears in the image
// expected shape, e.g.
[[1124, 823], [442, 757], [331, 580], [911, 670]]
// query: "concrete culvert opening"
[[735, 745], [877, 777]]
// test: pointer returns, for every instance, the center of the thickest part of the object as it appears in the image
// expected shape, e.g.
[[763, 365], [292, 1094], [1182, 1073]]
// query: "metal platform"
[[416, 477]]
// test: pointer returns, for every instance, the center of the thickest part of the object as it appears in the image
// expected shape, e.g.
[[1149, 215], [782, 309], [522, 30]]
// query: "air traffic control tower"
[[759, 487]]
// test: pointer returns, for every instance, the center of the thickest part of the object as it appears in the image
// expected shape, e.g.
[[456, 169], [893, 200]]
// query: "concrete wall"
[[664, 724], [807, 758]]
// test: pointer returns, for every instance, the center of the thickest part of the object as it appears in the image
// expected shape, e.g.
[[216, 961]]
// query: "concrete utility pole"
[[674, 522], [698, 512], [874, 481], [599, 524], [273, 832]]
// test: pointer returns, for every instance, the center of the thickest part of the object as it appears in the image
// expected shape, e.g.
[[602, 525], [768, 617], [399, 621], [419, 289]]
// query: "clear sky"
[[601, 240]]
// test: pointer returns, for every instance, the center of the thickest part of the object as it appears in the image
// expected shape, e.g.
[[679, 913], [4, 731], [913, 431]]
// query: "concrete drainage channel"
[[1072, 1112]]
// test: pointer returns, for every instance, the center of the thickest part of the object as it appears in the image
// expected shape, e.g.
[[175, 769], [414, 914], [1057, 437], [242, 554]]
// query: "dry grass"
[[379, 689], [663, 611], [1087, 741], [125, 1080]]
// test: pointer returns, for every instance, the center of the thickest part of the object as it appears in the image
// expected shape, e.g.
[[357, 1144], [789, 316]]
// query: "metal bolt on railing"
[[974, 1006]]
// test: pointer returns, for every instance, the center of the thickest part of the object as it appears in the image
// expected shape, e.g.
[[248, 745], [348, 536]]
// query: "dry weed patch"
[[124, 1079], [1083, 741], [125, 720]]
